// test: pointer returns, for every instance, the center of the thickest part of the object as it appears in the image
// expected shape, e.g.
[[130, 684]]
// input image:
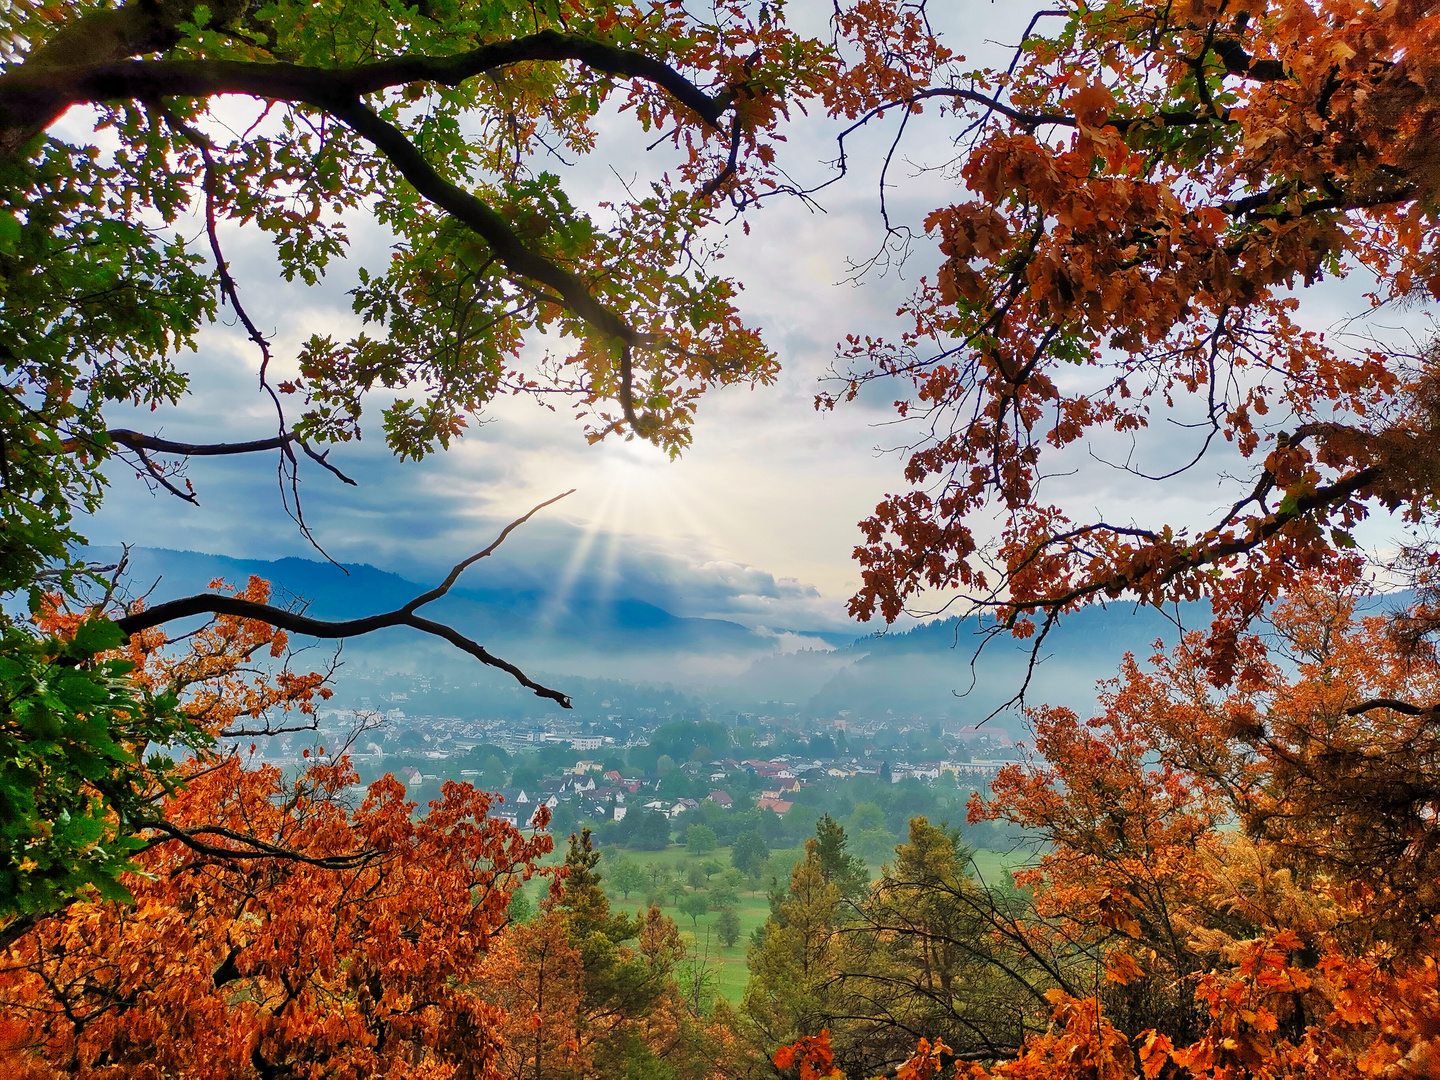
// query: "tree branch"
[[491, 226], [503, 241], [21, 925], [255, 849], [141, 443], [295, 622], [33, 95], [1207, 551], [1238, 62], [1387, 703]]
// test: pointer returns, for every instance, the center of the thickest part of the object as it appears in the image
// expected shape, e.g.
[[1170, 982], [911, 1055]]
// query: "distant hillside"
[[925, 671], [928, 670], [578, 634]]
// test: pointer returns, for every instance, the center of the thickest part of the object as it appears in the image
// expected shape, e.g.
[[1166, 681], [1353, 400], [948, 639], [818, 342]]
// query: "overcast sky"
[[756, 522]]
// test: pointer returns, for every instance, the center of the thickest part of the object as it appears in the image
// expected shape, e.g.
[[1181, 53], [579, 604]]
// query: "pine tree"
[[847, 873], [794, 958]]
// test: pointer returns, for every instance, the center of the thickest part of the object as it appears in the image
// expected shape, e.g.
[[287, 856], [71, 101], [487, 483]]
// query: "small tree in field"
[[694, 904], [727, 926], [627, 875], [700, 840], [750, 853]]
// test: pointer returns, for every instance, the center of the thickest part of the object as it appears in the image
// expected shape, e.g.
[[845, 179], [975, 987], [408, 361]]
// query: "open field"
[[728, 962]]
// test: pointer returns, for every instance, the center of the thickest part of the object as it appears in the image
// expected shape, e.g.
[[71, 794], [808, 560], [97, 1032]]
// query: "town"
[[640, 778]]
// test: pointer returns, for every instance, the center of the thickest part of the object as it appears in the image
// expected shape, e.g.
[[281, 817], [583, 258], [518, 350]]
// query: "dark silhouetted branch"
[[142, 444], [33, 96], [295, 622], [253, 849], [1387, 703]]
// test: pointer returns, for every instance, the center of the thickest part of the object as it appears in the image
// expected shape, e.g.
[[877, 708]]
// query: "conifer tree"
[[789, 967], [847, 873]]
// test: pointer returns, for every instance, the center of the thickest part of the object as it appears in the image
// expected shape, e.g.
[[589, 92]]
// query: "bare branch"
[[288, 467], [295, 622], [138, 441], [254, 848]]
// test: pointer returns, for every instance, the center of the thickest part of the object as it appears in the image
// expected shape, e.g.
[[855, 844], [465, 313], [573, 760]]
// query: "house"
[[720, 799], [779, 806], [612, 777], [620, 812]]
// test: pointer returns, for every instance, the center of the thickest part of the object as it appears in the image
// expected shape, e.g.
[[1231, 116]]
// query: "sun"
[[639, 492]]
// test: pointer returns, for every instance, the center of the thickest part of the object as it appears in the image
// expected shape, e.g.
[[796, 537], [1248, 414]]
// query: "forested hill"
[[934, 669]]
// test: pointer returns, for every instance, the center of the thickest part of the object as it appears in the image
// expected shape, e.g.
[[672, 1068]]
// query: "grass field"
[[728, 962]]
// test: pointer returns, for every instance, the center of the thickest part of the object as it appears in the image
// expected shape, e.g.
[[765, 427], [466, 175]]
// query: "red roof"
[[780, 806]]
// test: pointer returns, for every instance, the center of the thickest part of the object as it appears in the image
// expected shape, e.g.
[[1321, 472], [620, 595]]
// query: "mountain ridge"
[[931, 669]]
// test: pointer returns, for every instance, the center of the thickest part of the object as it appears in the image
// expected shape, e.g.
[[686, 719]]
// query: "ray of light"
[[559, 598]]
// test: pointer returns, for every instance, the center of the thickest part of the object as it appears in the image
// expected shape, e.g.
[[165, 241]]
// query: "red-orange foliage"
[[1302, 943], [273, 966], [277, 929], [1143, 192], [813, 1056]]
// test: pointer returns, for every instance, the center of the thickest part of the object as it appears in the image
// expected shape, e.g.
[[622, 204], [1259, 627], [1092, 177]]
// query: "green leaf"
[[97, 635], [9, 232]]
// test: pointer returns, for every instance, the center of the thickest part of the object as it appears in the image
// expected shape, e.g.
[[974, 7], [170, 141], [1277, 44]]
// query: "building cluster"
[[425, 750]]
